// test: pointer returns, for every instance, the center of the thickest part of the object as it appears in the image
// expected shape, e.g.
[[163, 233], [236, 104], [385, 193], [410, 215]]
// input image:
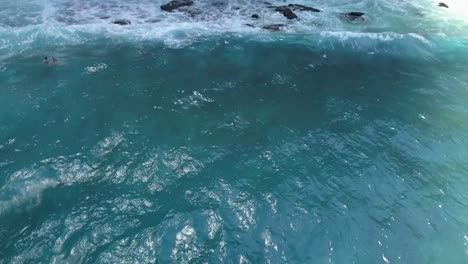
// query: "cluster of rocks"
[[287, 11]]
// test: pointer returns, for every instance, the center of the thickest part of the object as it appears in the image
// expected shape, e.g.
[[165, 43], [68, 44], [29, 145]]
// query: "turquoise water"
[[192, 144]]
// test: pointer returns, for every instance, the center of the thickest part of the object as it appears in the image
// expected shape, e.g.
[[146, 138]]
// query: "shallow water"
[[229, 144]]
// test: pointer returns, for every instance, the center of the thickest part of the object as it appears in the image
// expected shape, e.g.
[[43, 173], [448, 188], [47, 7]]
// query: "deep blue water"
[[232, 147]]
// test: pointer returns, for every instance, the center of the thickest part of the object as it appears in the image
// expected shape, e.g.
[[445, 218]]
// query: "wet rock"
[[122, 22], [250, 25], [303, 8], [354, 17], [255, 16], [286, 11], [174, 4], [355, 14], [441, 4], [274, 27]]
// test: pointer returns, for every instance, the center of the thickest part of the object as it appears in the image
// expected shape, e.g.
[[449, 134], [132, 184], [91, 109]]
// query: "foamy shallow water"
[[197, 141], [33, 24]]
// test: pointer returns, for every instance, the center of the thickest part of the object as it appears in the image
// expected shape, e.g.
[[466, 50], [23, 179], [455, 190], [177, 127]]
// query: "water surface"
[[210, 142]]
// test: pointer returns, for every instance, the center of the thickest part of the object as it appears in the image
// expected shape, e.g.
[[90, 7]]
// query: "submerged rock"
[[255, 16], [122, 22], [274, 27], [354, 16], [174, 4], [442, 4], [303, 8], [153, 20], [250, 25], [286, 11]]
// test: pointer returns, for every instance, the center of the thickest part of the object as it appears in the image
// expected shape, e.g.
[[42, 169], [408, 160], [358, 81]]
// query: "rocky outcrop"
[[274, 27], [255, 16], [302, 8], [174, 4], [354, 16], [286, 11], [122, 22], [441, 4]]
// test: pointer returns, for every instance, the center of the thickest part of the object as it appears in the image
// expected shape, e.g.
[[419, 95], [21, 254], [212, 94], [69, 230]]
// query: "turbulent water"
[[189, 137]]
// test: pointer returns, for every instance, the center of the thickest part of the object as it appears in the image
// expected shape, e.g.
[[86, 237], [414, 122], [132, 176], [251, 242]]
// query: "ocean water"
[[188, 137]]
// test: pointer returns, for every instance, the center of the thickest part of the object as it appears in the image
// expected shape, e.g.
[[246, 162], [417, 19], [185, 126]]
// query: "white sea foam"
[[20, 192], [108, 144], [214, 224], [185, 248], [95, 68]]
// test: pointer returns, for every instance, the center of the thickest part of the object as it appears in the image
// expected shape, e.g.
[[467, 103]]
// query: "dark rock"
[[354, 17], [303, 8], [286, 11], [174, 4], [255, 16], [274, 27], [441, 4], [250, 25], [355, 14], [267, 3], [122, 22]]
